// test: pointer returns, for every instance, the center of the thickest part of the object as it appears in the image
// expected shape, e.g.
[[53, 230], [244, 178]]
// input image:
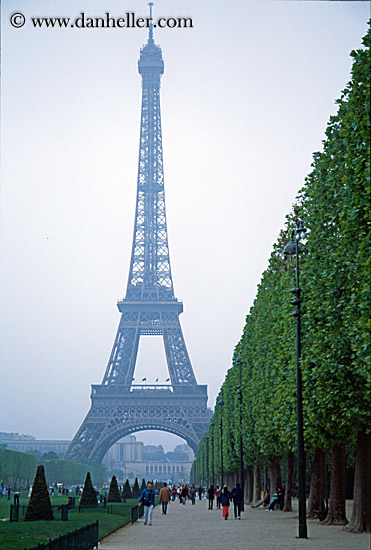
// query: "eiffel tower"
[[119, 407]]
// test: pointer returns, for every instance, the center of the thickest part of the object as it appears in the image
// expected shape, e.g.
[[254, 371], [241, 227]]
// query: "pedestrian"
[[211, 494], [237, 495], [192, 492], [16, 498], [1, 491], [165, 497], [217, 494], [200, 491], [184, 494], [225, 499], [147, 498], [8, 490]]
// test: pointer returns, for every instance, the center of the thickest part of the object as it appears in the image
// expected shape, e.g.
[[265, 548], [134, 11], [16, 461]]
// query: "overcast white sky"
[[246, 96]]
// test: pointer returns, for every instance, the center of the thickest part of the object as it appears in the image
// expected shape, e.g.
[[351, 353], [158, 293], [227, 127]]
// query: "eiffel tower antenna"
[[119, 406], [150, 34]]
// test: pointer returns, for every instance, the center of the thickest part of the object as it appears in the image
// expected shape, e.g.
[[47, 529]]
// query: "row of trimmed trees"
[[335, 281], [39, 506]]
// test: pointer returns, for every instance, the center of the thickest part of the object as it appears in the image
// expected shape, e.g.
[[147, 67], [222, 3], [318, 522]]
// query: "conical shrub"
[[126, 492], [39, 506], [135, 491], [89, 495], [114, 493], [143, 486]]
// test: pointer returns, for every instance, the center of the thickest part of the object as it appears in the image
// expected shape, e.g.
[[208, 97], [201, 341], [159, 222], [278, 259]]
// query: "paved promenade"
[[197, 528]]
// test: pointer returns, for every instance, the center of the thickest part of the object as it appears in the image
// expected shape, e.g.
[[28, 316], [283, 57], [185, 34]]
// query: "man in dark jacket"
[[237, 496]]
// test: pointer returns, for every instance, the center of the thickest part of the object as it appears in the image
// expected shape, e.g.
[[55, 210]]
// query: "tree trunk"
[[257, 484], [275, 475], [361, 515], [250, 484], [336, 514], [266, 478], [318, 486], [289, 476]]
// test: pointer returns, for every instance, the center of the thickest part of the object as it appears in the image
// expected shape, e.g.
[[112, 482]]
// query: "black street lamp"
[[293, 248], [239, 388], [207, 460], [221, 403], [212, 451]]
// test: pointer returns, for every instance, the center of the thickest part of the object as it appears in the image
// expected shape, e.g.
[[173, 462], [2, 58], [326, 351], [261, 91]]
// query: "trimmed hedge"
[[16, 468], [70, 473]]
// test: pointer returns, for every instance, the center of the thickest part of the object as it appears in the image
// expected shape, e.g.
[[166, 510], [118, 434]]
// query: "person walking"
[[217, 494], [147, 498], [165, 497], [184, 494], [237, 496], [192, 492], [225, 500], [211, 494]]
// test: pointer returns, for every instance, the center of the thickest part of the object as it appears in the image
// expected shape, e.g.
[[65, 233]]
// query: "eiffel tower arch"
[[119, 407]]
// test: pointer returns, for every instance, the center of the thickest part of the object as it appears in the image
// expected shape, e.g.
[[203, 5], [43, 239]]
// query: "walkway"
[[197, 528]]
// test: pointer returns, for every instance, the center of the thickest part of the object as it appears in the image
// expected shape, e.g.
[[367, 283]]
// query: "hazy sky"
[[246, 96]]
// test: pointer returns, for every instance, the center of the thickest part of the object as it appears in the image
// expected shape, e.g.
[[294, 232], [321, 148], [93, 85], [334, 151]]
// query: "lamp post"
[[239, 388], [207, 460], [293, 248], [212, 451], [221, 403]]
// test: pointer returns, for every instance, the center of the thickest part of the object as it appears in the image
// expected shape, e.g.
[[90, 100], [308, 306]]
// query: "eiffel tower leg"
[[179, 364], [121, 364]]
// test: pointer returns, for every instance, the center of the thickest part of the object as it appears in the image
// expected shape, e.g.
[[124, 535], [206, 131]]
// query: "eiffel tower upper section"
[[150, 306], [150, 272]]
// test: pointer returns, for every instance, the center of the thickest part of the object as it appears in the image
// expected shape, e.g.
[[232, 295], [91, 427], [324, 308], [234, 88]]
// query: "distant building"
[[135, 459], [130, 456], [28, 443]]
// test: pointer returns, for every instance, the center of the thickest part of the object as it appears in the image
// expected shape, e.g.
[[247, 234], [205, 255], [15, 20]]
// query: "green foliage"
[[89, 495], [335, 282], [143, 486], [70, 473], [50, 455], [335, 205], [126, 492], [114, 493], [16, 468], [136, 491], [39, 506]]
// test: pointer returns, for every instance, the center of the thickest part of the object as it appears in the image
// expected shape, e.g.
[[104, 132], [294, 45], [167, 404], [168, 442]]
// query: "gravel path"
[[197, 528]]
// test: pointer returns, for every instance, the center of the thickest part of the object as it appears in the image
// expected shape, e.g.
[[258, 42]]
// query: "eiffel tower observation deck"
[[119, 407]]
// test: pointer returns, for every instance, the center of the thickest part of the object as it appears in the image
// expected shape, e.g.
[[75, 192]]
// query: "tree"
[[89, 495], [50, 455], [39, 506], [143, 486], [335, 281], [335, 207], [126, 492], [135, 491], [114, 493]]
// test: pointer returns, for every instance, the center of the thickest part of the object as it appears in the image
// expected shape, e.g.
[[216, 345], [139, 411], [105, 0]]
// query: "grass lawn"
[[21, 535]]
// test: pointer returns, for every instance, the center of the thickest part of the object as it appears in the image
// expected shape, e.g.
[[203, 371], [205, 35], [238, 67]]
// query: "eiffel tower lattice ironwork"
[[120, 407]]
